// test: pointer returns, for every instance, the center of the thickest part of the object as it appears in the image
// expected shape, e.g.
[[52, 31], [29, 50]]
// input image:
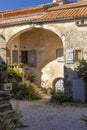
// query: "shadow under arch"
[[22, 30]]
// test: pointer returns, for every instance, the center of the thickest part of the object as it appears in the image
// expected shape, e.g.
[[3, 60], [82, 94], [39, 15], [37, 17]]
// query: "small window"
[[29, 57], [78, 54], [15, 56], [59, 52]]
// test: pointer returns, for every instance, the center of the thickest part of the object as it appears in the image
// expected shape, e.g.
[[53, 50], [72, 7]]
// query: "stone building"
[[46, 38]]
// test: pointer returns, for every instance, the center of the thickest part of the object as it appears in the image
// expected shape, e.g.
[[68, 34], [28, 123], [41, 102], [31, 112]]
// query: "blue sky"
[[13, 4]]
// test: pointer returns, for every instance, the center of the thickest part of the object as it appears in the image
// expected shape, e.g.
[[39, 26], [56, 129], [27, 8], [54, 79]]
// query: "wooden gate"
[[86, 92], [78, 90]]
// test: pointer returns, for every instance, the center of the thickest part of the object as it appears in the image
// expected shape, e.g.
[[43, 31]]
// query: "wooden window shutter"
[[59, 52], [32, 58], [15, 56], [78, 54]]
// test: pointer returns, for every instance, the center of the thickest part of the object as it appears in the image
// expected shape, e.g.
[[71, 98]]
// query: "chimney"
[[60, 1]]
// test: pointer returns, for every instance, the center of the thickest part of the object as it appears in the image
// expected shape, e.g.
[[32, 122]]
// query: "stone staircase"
[[7, 113], [41, 91], [4, 102]]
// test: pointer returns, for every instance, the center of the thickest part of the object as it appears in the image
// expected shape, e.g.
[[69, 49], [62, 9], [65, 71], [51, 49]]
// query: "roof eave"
[[43, 21]]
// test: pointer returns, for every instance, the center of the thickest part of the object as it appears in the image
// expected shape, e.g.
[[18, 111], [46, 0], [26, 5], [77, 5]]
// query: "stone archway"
[[44, 43], [17, 30], [58, 84]]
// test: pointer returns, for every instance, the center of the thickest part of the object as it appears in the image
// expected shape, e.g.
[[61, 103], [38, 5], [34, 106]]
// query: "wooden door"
[[24, 57], [78, 90], [86, 92]]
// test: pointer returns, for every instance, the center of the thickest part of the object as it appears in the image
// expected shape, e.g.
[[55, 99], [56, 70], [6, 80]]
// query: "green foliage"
[[22, 91], [14, 73], [17, 91], [82, 69], [59, 97], [3, 102], [7, 50], [31, 77], [10, 121], [20, 65]]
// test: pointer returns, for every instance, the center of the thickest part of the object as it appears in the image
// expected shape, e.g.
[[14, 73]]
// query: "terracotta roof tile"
[[67, 11], [69, 5], [23, 12], [19, 20]]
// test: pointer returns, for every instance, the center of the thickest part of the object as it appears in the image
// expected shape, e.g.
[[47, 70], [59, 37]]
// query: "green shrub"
[[59, 97], [22, 91], [20, 65], [18, 90], [36, 96], [31, 77], [82, 69], [14, 73], [10, 121]]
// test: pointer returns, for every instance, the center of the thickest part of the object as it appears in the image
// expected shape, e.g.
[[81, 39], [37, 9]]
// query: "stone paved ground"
[[40, 115]]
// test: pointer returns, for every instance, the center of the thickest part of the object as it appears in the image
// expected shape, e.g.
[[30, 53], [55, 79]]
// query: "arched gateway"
[[38, 48]]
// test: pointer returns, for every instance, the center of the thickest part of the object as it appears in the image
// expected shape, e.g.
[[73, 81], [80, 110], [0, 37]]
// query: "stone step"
[[4, 94], [4, 98], [7, 112], [41, 91], [5, 105]]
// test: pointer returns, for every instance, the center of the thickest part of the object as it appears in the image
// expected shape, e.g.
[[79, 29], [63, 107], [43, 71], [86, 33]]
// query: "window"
[[59, 52], [29, 57], [77, 54]]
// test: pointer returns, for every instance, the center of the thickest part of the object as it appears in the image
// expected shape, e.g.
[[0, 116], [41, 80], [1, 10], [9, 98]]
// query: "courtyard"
[[41, 115]]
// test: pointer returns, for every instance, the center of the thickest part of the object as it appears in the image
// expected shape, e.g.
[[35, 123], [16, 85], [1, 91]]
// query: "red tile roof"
[[65, 14], [25, 11], [49, 12], [69, 5]]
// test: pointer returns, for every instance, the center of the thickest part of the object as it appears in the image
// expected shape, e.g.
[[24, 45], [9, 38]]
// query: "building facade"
[[47, 38]]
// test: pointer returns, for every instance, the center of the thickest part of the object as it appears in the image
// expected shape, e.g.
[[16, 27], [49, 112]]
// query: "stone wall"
[[49, 37]]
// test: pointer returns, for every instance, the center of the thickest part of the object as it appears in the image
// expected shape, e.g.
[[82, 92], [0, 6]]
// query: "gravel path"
[[40, 115]]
